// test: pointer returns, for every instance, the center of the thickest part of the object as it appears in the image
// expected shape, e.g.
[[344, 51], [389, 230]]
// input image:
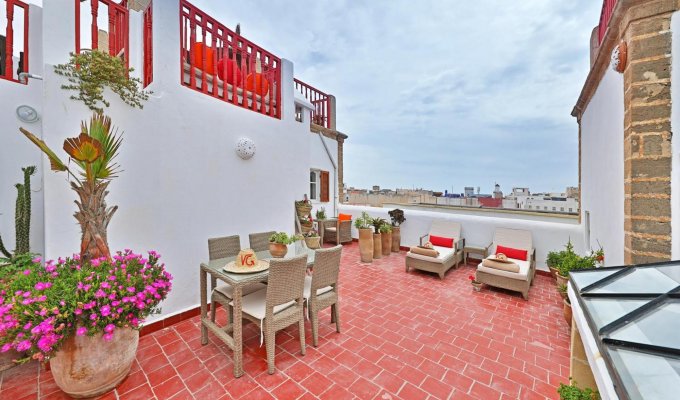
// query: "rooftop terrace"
[[404, 336]]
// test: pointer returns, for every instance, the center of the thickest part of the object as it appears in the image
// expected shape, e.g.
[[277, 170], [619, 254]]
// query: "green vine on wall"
[[90, 71]]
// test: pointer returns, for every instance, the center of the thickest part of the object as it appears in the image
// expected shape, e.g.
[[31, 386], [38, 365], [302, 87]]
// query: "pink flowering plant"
[[44, 304]]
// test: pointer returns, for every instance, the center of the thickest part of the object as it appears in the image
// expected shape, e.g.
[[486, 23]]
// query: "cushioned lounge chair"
[[515, 281], [448, 257]]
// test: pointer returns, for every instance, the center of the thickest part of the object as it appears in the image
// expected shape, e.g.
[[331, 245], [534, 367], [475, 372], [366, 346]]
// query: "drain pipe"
[[335, 172]]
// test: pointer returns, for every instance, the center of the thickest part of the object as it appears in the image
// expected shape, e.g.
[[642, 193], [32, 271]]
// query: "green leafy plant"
[[363, 221], [321, 214], [385, 228], [90, 72], [554, 258], [397, 217], [311, 234], [377, 223], [572, 392], [22, 218], [283, 238]]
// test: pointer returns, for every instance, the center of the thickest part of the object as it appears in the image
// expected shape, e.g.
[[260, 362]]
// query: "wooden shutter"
[[324, 187]]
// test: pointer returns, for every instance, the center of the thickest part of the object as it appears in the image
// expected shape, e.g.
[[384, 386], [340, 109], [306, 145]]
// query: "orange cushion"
[[344, 217]]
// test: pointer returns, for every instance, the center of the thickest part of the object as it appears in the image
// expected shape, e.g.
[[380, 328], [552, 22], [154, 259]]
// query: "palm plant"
[[93, 151]]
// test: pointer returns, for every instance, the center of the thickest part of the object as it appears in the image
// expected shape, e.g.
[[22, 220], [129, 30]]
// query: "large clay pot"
[[88, 366], [366, 244], [7, 359], [396, 239], [386, 243], [566, 309], [553, 271], [561, 280], [277, 250], [377, 246]]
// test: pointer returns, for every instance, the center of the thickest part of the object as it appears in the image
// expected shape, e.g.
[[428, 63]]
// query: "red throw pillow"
[[441, 241], [344, 217], [517, 254]]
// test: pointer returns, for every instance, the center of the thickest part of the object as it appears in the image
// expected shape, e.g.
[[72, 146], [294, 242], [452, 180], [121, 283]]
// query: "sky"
[[438, 94]]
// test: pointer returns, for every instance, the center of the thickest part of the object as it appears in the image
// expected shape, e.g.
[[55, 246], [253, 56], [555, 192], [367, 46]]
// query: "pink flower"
[[105, 311], [24, 345], [108, 336], [131, 289], [109, 328], [81, 331], [27, 272]]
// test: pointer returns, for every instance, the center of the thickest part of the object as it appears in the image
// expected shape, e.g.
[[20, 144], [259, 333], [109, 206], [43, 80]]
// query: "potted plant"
[[476, 285], [377, 237], [397, 217], [564, 260], [573, 392], [562, 289], [83, 313], [278, 243], [321, 214], [386, 237], [312, 239], [553, 261], [363, 225]]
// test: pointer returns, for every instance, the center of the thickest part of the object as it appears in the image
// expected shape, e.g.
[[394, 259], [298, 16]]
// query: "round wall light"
[[245, 148], [27, 114]]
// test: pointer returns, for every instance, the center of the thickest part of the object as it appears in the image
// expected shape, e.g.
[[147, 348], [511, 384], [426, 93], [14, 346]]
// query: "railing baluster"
[[94, 5], [9, 45]]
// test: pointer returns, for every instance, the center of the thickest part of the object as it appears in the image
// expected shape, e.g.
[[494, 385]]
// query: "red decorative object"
[[517, 254], [9, 23], [231, 70], [320, 100], [148, 44], [344, 217], [441, 241], [620, 57], [197, 54]]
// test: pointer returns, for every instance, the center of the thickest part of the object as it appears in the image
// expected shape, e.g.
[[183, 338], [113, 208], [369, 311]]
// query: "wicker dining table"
[[232, 333]]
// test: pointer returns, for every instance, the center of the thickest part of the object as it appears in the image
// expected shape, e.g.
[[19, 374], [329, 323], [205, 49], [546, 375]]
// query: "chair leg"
[[335, 311], [230, 309], [270, 343], [301, 328], [315, 328], [213, 309]]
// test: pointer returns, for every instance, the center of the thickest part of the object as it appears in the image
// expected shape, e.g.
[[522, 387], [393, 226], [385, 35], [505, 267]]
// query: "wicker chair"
[[224, 247], [281, 304], [260, 241], [321, 289], [515, 281], [337, 231], [448, 257]]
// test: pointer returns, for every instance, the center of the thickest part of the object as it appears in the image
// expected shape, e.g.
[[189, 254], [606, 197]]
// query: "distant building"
[[469, 191], [497, 193]]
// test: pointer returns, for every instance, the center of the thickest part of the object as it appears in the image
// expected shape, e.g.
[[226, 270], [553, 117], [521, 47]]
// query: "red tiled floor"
[[404, 336]]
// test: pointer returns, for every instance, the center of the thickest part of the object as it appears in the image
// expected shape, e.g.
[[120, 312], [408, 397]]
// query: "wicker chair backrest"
[[260, 241], [326, 267], [515, 238], [286, 280], [222, 247]]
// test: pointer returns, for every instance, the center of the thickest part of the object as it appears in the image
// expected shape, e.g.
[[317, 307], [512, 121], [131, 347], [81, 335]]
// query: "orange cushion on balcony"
[[441, 241], [517, 254], [230, 67], [197, 54], [344, 217]]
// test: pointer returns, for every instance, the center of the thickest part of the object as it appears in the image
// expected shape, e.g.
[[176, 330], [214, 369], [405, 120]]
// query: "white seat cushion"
[[255, 304], [522, 275], [308, 288], [228, 291], [330, 229], [445, 254]]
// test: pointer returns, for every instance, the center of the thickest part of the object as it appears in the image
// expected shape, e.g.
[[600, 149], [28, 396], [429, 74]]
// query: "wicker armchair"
[[224, 247], [516, 281], [260, 241], [337, 231], [448, 257], [321, 289], [280, 305]]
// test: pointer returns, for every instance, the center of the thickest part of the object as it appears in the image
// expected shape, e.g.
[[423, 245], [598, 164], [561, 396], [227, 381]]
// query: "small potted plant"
[[278, 243], [553, 261], [321, 214], [377, 237], [363, 225], [312, 239], [386, 237], [562, 289], [476, 285], [397, 217], [598, 255], [573, 392]]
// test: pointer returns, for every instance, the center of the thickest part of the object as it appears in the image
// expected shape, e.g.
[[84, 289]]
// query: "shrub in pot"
[[386, 237], [83, 313], [278, 243], [363, 225], [573, 392], [397, 217], [377, 237], [321, 214]]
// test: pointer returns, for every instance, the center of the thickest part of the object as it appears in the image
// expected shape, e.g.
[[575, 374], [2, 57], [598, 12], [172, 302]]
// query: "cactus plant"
[[22, 216]]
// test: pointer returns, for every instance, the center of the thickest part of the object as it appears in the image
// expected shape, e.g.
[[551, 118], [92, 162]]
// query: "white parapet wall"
[[549, 232]]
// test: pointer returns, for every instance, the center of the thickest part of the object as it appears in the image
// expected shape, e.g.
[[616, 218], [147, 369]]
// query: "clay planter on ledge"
[[561, 280], [366, 244], [278, 250], [386, 243], [566, 309], [477, 286], [396, 239], [377, 246], [553, 272], [88, 366]]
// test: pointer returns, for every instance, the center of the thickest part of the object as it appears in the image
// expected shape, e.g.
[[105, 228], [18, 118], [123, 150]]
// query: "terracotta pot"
[[553, 272], [313, 242], [386, 243], [396, 239], [564, 295], [7, 359], [88, 366], [566, 309], [366, 244], [377, 246], [277, 250], [561, 280]]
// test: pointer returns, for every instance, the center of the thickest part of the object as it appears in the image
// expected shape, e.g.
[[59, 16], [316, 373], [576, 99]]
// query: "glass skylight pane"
[[641, 280], [604, 311], [647, 376], [585, 278], [660, 327]]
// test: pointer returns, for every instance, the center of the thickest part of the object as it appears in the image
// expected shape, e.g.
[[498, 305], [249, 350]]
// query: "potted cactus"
[[377, 236]]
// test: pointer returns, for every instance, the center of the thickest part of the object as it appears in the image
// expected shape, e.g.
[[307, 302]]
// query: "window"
[[319, 186], [313, 184], [561, 208], [553, 208], [529, 207], [571, 210], [298, 113], [545, 208]]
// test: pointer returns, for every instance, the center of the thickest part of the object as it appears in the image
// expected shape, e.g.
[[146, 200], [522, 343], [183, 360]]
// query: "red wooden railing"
[[7, 45], [118, 32], [605, 16], [148, 45], [218, 62], [321, 101]]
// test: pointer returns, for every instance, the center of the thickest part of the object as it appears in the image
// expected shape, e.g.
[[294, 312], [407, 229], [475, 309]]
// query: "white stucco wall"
[[602, 191], [675, 146], [181, 181], [320, 160], [13, 153], [548, 233]]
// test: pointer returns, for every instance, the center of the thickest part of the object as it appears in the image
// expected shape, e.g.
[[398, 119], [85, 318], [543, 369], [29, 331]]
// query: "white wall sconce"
[[27, 114], [245, 148]]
